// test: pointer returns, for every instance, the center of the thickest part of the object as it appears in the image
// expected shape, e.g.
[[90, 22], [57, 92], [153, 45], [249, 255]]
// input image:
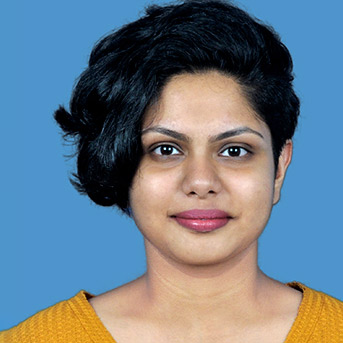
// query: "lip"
[[202, 220]]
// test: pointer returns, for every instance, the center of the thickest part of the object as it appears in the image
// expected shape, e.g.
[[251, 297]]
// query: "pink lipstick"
[[202, 220]]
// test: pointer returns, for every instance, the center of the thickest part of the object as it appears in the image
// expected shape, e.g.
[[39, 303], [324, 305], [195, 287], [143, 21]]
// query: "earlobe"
[[284, 161]]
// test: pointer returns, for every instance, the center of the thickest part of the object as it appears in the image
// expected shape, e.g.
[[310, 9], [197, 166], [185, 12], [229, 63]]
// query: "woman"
[[184, 120]]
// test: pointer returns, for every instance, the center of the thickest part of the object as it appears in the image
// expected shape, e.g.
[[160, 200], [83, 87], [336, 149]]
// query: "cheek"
[[151, 190], [150, 198], [254, 195]]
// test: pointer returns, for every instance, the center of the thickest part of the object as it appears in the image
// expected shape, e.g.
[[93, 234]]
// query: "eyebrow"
[[235, 132], [184, 138]]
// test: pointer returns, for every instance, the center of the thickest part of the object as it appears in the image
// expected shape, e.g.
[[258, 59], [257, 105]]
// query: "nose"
[[201, 178]]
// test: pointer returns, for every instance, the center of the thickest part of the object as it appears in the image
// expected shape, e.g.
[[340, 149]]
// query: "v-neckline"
[[304, 323]]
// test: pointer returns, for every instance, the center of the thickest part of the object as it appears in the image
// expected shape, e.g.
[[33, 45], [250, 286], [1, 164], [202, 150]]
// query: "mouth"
[[202, 220]]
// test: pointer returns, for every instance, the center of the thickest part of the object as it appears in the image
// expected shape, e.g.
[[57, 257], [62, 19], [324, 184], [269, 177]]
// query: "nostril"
[[201, 194]]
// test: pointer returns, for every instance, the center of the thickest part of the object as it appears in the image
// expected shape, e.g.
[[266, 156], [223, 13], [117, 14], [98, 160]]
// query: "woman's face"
[[206, 185]]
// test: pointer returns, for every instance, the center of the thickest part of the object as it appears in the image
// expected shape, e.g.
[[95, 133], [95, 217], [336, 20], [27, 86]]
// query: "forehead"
[[207, 101]]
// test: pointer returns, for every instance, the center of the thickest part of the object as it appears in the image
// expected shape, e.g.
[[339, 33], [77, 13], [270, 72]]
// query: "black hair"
[[129, 67]]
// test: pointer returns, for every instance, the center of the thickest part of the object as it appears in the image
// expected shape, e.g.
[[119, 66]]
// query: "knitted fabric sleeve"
[[319, 320], [70, 321]]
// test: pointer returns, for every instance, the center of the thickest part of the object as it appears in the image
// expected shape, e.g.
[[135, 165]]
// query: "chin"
[[212, 255], [201, 259]]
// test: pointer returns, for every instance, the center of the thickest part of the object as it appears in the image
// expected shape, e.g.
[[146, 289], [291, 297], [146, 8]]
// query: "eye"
[[166, 150], [234, 151]]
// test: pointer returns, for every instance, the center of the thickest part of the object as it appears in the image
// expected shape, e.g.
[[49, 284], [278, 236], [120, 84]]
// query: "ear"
[[284, 161]]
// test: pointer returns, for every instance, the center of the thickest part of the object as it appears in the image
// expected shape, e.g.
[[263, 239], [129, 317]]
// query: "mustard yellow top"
[[320, 319]]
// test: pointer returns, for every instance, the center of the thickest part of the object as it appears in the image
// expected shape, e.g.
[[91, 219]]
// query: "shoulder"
[[319, 300], [59, 323], [330, 317], [331, 309], [320, 316]]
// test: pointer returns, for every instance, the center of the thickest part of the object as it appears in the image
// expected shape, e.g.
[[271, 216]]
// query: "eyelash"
[[172, 147], [153, 150], [237, 147]]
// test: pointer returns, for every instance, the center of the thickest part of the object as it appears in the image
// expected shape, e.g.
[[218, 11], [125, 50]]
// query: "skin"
[[203, 287]]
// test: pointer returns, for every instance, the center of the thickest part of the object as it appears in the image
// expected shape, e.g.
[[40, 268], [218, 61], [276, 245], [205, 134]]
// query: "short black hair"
[[128, 68]]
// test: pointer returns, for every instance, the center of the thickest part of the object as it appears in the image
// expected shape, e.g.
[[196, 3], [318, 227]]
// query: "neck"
[[231, 288]]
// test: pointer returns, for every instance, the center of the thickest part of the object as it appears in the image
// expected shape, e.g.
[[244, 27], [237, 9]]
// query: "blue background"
[[54, 242]]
